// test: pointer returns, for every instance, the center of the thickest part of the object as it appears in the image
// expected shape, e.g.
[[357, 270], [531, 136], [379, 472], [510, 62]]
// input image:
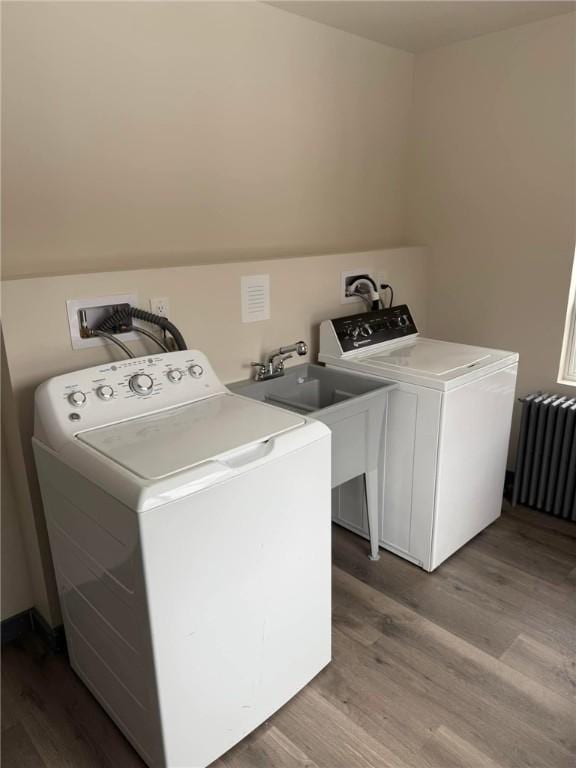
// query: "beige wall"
[[493, 190], [16, 589], [147, 134], [205, 305], [155, 134], [33, 575]]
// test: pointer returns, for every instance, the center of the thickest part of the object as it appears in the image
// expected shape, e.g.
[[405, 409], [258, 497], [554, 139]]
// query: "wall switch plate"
[[73, 307], [346, 279], [160, 306]]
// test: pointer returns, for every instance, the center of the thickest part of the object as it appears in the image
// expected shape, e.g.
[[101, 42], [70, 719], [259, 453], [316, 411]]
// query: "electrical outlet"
[[383, 279], [160, 306], [347, 278], [385, 295]]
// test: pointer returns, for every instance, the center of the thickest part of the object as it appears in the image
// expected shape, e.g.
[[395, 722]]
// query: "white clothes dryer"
[[447, 432]]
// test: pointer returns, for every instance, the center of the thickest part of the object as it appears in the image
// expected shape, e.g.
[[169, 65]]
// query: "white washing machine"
[[190, 531], [447, 432]]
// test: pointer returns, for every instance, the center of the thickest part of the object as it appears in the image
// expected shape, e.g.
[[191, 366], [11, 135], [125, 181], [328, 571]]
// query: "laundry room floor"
[[472, 666]]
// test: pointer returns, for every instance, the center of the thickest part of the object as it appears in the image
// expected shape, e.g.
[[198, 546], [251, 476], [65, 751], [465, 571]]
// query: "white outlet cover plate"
[[73, 305], [160, 306], [352, 299]]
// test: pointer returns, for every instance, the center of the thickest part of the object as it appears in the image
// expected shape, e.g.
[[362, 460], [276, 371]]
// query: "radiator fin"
[[545, 475]]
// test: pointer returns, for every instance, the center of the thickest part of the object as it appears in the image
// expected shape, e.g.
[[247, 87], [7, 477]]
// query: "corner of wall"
[[39, 564]]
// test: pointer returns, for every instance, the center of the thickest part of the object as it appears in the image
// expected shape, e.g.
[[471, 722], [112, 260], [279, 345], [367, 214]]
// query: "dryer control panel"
[[113, 392], [369, 328]]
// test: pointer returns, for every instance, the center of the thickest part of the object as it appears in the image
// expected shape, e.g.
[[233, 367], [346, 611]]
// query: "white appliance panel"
[[249, 589], [400, 454], [96, 551], [410, 472], [474, 434]]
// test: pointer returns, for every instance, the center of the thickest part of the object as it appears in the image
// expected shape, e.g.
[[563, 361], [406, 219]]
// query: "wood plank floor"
[[473, 666]]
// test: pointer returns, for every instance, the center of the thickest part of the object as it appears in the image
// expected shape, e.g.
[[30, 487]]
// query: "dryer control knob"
[[366, 330], [354, 332], [196, 371], [141, 383], [105, 392], [77, 399], [174, 375]]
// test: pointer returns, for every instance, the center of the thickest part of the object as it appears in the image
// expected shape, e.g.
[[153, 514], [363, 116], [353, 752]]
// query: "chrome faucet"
[[274, 365]]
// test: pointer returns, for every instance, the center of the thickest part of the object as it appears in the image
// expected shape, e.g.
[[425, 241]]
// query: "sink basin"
[[352, 405], [313, 389]]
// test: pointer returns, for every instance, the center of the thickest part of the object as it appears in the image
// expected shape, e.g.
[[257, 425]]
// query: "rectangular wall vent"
[[255, 298]]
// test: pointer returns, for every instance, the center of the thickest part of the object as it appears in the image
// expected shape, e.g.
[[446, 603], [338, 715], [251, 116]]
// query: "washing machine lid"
[[431, 358], [162, 444]]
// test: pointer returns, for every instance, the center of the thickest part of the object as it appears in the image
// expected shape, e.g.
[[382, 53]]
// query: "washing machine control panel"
[[125, 389], [370, 328]]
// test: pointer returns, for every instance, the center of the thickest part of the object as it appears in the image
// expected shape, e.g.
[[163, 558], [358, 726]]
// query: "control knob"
[[105, 392], [196, 371], [366, 330], [402, 321], [141, 383], [77, 399], [174, 375]]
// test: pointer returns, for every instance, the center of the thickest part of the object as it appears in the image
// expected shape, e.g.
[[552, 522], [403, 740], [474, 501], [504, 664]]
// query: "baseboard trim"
[[20, 624], [509, 484], [16, 626], [54, 637]]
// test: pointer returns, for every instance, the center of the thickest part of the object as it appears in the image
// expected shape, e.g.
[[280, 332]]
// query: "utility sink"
[[352, 405]]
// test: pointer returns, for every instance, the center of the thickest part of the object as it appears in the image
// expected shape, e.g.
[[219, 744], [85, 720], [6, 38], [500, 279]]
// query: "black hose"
[[122, 317], [384, 287]]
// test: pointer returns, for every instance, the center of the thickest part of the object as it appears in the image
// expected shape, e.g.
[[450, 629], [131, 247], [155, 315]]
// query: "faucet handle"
[[278, 363], [261, 371]]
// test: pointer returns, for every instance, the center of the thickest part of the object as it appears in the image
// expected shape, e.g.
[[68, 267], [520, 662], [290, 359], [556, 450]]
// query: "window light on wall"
[[567, 372]]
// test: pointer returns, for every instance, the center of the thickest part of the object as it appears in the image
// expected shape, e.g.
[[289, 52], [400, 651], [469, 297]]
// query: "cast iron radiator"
[[545, 474]]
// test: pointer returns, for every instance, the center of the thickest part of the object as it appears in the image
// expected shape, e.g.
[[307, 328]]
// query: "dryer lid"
[[429, 357], [176, 439]]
